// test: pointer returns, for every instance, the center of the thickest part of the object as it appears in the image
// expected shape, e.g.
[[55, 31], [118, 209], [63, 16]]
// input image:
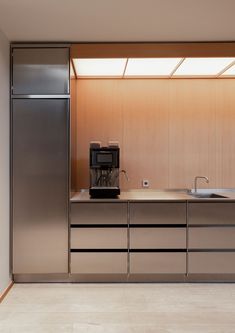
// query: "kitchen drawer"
[[158, 213], [99, 238], [211, 262], [157, 263], [157, 238], [211, 238], [211, 213], [99, 263], [98, 213]]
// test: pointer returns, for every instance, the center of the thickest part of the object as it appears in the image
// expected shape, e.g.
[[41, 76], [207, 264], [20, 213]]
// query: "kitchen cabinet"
[[40, 70], [99, 263], [40, 107], [158, 213], [211, 238], [211, 213], [158, 263], [99, 239], [98, 213], [157, 239], [211, 263]]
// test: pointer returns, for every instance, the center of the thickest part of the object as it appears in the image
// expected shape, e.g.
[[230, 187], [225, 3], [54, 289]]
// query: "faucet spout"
[[196, 179]]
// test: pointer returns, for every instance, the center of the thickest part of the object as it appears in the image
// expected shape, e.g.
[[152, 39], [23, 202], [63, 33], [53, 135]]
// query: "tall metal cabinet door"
[[40, 185], [40, 71]]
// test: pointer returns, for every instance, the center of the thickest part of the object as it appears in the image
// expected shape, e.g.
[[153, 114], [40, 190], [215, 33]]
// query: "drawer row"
[[153, 263], [153, 238], [194, 213]]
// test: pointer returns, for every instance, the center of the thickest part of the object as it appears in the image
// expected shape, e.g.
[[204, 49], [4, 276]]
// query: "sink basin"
[[207, 195]]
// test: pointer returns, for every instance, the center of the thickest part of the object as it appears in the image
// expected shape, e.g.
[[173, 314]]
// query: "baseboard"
[[6, 291]]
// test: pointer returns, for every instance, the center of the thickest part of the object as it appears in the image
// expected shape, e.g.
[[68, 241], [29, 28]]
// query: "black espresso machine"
[[104, 171]]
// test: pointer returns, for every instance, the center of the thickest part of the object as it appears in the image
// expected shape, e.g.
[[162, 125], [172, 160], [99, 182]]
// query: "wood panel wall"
[[170, 130]]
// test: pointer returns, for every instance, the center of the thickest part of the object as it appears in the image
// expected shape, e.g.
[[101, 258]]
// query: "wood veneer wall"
[[169, 129]]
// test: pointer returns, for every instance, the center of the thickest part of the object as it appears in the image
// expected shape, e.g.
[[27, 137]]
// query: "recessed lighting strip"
[[152, 67]]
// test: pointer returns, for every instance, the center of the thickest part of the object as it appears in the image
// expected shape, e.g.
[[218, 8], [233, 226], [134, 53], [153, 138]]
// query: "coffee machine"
[[104, 170]]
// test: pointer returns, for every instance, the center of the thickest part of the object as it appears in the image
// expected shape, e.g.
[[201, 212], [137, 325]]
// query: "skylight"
[[99, 67], [151, 66], [202, 66], [154, 67]]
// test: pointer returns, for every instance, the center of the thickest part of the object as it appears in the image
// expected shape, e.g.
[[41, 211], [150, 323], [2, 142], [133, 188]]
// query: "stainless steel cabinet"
[[40, 71], [40, 143], [99, 238], [157, 238], [40, 158], [211, 238], [211, 262], [98, 213], [158, 213], [211, 213], [99, 263], [158, 263]]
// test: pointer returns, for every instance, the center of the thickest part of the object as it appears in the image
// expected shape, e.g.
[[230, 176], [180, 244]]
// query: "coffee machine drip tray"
[[104, 192]]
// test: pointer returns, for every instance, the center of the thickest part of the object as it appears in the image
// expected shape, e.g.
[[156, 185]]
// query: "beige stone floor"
[[119, 308]]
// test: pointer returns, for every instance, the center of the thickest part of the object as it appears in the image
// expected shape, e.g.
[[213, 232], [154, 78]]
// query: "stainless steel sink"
[[207, 195]]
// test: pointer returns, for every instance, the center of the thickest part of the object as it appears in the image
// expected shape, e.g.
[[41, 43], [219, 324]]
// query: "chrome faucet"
[[125, 174], [195, 181]]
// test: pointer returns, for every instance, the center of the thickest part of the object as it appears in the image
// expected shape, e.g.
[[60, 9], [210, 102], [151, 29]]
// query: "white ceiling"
[[118, 20]]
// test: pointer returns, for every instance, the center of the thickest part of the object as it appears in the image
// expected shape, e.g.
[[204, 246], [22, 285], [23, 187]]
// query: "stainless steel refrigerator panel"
[[158, 238], [40, 71], [98, 238], [40, 185]]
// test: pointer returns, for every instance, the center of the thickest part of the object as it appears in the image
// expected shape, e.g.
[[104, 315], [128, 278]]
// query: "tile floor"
[[119, 308]]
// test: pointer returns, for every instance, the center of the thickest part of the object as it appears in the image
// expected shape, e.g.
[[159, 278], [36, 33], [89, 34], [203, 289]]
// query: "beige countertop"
[[156, 195]]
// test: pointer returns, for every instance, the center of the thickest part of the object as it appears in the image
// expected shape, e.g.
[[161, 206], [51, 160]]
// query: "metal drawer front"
[[99, 213], [211, 262], [211, 213], [157, 238], [99, 238], [157, 263], [212, 238], [158, 213], [99, 263]]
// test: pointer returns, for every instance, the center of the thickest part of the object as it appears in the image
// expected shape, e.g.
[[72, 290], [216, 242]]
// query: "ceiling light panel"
[[151, 66], [100, 67], [202, 66], [229, 72]]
